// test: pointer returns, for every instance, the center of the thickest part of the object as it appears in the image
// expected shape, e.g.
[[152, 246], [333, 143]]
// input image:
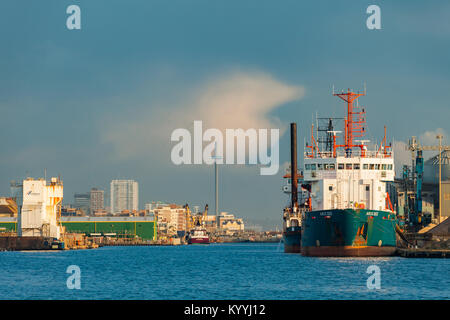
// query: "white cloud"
[[404, 157], [243, 100], [234, 100], [429, 137]]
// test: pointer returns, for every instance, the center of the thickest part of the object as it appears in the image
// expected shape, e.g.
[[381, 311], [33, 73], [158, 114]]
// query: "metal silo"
[[431, 169]]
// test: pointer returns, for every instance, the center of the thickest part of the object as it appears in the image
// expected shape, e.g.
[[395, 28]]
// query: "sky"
[[100, 103]]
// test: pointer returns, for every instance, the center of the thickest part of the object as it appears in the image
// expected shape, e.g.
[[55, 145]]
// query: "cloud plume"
[[233, 100]]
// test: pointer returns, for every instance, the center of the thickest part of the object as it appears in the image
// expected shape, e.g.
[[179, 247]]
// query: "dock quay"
[[13, 242], [124, 242], [423, 253]]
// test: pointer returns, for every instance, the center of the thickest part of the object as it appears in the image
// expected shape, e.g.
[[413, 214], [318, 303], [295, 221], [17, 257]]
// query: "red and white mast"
[[355, 122]]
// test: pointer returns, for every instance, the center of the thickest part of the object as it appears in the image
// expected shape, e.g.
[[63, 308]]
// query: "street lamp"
[[439, 137]]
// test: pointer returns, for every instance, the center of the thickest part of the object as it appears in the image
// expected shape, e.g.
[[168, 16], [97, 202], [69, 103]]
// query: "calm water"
[[223, 271]]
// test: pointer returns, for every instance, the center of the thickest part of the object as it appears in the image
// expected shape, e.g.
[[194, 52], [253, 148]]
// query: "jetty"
[[423, 253]]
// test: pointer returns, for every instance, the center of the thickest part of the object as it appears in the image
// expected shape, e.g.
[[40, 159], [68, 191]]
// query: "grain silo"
[[431, 168]]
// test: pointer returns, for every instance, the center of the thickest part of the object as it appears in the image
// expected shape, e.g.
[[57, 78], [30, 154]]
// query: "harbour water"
[[217, 271]]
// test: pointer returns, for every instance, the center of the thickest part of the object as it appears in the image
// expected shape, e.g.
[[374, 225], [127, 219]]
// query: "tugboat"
[[351, 212], [198, 235], [292, 214]]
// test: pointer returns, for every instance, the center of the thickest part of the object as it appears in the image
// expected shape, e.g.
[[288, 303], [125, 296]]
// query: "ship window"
[[325, 167], [307, 166], [330, 188], [348, 166], [389, 166], [319, 166], [313, 166], [332, 166], [356, 166], [372, 166], [340, 166], [365, 166], [383, 167], [377, 167]]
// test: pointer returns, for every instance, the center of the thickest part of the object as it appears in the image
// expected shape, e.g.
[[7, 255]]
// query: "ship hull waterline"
[[348, 251], [198, 241], [292, 240], [349, 233]]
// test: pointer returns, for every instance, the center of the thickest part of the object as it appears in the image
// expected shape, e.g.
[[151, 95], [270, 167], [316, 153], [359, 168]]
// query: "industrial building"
[[39, 212], [8, 207], [8, 224], [422, 194], [37, 208], [121, 227]]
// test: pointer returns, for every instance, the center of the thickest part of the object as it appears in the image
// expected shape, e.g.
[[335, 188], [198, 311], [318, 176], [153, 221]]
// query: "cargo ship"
[[350, 212]]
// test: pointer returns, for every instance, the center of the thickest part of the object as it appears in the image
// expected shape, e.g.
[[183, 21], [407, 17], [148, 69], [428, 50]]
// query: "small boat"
[[198, 235]]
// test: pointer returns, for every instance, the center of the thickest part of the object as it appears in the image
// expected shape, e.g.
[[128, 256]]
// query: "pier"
[[423, 253]]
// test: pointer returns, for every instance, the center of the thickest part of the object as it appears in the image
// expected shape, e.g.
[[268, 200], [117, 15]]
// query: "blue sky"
[[99, 103]]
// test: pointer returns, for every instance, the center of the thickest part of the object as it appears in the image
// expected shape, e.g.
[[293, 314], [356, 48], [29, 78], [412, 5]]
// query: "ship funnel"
[[294, 181]]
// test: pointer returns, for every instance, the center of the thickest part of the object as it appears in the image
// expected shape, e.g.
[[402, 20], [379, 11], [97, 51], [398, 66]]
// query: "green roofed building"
[[8, 224], [143, 227]]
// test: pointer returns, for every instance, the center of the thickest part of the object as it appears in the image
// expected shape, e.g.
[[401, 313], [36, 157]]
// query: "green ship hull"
[[349, 232]]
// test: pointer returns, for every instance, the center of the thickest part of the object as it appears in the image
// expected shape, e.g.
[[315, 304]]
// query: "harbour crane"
[[197, 218], [415, 147]]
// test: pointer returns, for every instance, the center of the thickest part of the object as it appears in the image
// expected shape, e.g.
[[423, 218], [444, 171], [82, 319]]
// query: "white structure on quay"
[[39, 212], [124, 196]]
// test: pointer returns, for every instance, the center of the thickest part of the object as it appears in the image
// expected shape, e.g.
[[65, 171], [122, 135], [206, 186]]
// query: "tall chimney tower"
[[294, 181]]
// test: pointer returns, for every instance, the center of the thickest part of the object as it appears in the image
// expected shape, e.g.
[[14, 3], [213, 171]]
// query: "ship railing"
[[342, 153], [289, 214]]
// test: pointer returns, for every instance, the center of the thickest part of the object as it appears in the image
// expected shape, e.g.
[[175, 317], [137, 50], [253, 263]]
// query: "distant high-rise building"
[[82, 201], [124, 196], [97, 200], [148, 206]]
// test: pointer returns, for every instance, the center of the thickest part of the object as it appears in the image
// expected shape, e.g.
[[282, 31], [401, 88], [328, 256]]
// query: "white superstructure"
[[349, 182], [39, 212]]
